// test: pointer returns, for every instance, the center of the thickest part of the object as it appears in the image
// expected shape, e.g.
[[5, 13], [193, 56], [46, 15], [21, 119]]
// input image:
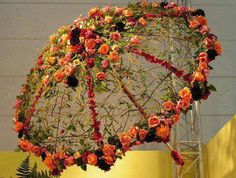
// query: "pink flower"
[[17, 103], [204, 29], [115, 36], [105, 64], [69, 161]]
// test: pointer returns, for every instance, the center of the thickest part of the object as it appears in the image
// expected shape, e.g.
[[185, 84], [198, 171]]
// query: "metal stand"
[[187, 140], [186, 137]]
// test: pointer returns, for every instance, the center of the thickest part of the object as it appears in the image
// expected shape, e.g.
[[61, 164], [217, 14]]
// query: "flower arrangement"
[[65, 112]]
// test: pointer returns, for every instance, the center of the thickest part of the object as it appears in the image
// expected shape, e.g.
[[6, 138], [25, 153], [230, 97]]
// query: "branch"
[[129, 94]]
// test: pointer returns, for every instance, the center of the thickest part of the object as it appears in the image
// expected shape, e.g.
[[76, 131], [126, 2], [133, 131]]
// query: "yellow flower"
[[77, 155], [76, 62], [51, 60], [108, 19], [52, 38], [64, 38]]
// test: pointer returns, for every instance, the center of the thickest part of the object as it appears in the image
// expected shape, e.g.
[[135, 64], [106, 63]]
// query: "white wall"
[[25, 25]]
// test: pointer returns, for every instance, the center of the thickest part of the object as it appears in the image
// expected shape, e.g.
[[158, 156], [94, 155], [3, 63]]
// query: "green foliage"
[[24, 170]]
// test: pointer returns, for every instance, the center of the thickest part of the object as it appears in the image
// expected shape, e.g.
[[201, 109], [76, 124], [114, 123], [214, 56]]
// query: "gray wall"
[[25, 25]]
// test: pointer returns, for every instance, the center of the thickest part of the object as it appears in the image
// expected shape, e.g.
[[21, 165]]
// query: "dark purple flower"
[[72, 81]]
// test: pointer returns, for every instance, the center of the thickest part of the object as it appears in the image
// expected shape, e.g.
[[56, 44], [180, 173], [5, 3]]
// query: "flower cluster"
[[85, 53]]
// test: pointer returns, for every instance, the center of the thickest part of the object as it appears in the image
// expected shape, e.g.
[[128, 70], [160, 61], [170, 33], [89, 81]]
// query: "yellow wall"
[[221, 152], [220, 161], [9, 161]]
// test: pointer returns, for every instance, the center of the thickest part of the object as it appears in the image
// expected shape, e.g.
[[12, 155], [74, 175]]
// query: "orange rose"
[[133, 131], [142, 21], [198, 76], [104, 49], [125, 139], [184, 104], [218, 48], [92, 159], [93, 11], [135, 40], [202, 66], [168, 105], [119, 10], [69, 69], [163, 132], [36, 150], [176, 118], [108, 150], [108, 159], [52, 38], [25, 145], [142, 134], [114, 56], [101, 76], [61, 154], [62, 61], [90, 43], [203, 57], [59, 75], [115, 36], [185, 93], [202, 20], [50, 162], [155, 4], [194, 23], [127, 13], [153, 121], [18, 126]]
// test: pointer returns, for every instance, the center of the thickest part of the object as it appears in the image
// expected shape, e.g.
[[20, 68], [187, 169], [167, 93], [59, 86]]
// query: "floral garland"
[[91, 48]]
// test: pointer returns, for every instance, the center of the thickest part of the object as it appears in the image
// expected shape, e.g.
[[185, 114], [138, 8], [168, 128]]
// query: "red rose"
[[115, 36], [90, 62], [125, 139], [142, 134], [69, 161], [108, 150], [101, 76], [36, 150]]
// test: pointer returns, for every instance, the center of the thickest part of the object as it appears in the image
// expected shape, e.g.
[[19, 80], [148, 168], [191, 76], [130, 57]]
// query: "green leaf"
[[84, 167], [71, 127], [34, 171], [23, 171], [82, 142], [212, 88], [79, 162]]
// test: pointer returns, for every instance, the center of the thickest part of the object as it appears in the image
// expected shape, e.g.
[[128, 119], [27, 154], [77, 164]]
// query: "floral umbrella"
[[117, 78]]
